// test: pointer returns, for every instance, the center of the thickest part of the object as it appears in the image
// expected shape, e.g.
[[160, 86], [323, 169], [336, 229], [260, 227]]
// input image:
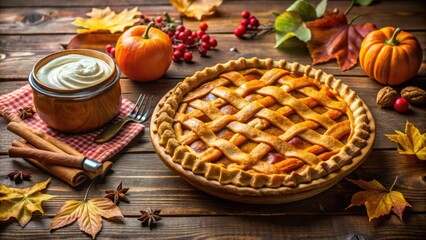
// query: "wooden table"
[[31, 29]]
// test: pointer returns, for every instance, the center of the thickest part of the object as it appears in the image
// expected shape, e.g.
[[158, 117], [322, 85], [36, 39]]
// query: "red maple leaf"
[[333, 37]]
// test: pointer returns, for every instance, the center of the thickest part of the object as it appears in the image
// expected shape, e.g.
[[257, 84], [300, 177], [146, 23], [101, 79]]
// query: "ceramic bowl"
[[77, 110]]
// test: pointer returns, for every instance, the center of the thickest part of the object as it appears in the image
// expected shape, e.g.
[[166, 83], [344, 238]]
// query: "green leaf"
[[320, 9], [290, 24], [305, 10], [364, 2]]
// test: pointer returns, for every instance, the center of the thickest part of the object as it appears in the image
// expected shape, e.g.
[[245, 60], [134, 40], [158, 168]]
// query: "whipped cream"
[[73, 71]]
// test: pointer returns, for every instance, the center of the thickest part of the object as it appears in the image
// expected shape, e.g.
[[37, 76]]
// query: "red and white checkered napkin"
[[83, 142]]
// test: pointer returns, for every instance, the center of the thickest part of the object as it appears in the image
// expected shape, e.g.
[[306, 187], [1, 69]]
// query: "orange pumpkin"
[[390, 56], [144, 53]]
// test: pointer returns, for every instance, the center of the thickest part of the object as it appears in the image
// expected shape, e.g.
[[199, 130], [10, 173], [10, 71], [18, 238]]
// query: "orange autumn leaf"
[[89, 214], [333, 37], [196, 8], [377, 199], [107, 20], [21, 203]]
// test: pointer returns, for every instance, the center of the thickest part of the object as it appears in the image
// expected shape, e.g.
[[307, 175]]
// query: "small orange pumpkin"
[[144, 53], [390, 56]]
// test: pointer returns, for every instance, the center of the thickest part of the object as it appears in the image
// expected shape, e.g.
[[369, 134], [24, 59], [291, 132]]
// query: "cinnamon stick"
[[43, 141], [27, 134], [47, 157], [72, 176], [61, 145]]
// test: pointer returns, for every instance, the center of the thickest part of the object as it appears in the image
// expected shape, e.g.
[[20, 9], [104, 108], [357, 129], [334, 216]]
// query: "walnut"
[[386, 97], [414, 95]]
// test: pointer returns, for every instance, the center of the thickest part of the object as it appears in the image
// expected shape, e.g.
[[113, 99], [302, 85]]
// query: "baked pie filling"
[[261, 123]]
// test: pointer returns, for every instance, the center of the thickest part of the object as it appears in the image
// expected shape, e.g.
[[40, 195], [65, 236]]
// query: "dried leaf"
[[196, 8], [377, 199], [89, 214], [411, 142], [20, 203], [96, 41], [107, 20], [333, 37], [118, 195]]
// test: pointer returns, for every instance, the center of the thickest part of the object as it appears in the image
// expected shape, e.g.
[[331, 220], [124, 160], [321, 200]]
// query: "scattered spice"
[[19, 176], [118, 194], [149, 217], [26, 112]]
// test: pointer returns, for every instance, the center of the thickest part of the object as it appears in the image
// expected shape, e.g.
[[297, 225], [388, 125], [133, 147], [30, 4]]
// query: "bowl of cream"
[[76, 90]]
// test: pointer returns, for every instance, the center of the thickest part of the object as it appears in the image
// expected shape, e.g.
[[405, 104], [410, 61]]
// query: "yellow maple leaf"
[[196, 8], [20, 203], [107, 20], [411, 142], [377, 199], [89, 214]]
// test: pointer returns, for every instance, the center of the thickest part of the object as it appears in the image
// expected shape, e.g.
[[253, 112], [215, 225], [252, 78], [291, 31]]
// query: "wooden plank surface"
[[31, 29]]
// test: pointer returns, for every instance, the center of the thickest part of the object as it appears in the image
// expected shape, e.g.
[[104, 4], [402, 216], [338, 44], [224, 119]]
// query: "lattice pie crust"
[[260, 124]]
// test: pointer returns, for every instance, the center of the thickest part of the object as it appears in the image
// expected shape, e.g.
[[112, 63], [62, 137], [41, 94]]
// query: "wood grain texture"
[[23, 51], [32, 29], [153, 184], [236, 227]]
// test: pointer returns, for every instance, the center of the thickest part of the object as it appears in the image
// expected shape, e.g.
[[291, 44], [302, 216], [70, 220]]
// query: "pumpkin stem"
[[392, 41], [145, 34]]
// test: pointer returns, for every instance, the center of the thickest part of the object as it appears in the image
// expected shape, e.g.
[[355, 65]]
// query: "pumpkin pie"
[[262, 131]]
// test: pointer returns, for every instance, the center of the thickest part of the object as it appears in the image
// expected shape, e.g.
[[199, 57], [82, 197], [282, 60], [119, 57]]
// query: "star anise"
[[149, 217], [118, 194], [26, 112], [19, 176]]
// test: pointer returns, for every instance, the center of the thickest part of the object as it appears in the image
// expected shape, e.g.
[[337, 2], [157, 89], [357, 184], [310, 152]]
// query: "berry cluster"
[[183, 39], [110, 49], [248, 25]]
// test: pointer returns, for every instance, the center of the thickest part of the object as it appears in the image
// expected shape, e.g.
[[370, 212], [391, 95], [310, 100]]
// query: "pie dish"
[[262, 131]]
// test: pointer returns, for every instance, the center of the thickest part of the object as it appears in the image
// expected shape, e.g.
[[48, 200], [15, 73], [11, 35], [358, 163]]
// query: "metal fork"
[[139, 114]]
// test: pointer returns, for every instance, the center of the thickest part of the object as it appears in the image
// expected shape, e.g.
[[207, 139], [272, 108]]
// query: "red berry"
[[203, 26], [200, 33], [213, 42], [202, 51], [159, 19], [254, 22], [175, 59], [112, 52], [182, 36], [187, 57], [205, 45], [177, 34], [245, 14], [194, 34], [190, 40], [170, 33], [244, 22], [205, 38], [177, 54], [180, 28], [108, 48], [401, 105], [187, 32], [181, 47], [239, 31]]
